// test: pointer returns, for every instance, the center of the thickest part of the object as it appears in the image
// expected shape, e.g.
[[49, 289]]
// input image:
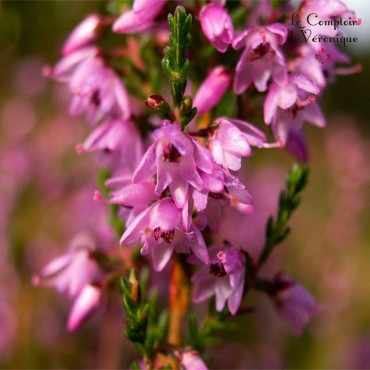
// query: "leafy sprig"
[[176, 65], [277, 229], [143, 326]]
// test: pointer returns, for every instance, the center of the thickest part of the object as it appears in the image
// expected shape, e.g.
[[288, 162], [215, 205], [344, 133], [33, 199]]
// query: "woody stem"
[[178, 303]]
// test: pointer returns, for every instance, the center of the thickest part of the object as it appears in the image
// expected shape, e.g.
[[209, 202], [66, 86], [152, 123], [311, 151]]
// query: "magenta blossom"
[[306, 64], [232, 140], [217, 26], [288, 106], [72, 271], [96, 89], [325, 11], [294, 303], [140, 18], [223, 277], [261, 58], [182, 165], [116, 135], [212, 90], [191, 360], [160, 231], [85, 33], [85, 304], [133, 198], [235, 194]]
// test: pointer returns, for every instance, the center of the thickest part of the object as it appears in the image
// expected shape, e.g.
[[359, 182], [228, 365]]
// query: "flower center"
[[167, 236], [259, 52], [217, 269], [171, 154], [95, 98]]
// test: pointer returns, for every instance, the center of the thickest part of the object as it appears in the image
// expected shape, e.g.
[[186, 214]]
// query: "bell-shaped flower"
[[217, 26], [191, 360], [84, 306], [140, 18], [181, 164], [261, 58], [306, 65], [160, 232], [96, 88], [85, 33], [232, 140], [133, 198], [223, 277], [116, 135], [288, 106], [317, 16], [73, 270], [294, 303]]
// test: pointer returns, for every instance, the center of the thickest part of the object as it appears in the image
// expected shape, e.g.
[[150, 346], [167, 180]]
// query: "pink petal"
[[165, 215], [179, 192], [270, 106], [166, 173], [280, 30], [200, 249], [85, 304], [188, 172], [146, 167], [135, 194], [161, 254], [133, 231], [223, 291]]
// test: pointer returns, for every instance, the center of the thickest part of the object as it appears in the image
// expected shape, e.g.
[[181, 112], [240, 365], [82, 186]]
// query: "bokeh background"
[[43, 192]]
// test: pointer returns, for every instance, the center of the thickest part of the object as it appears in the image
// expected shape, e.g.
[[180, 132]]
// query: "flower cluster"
[[173, 175]]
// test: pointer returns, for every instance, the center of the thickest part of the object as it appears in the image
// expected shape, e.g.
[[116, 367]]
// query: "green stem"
[[276, 229]]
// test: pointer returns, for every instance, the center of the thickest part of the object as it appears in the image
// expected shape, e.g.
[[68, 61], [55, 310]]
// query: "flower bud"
[[85, 304], [82, 35], [157, 102], [217, 26], [212, 90]]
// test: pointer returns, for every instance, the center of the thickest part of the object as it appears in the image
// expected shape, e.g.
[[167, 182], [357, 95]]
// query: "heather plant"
[[176, 93]]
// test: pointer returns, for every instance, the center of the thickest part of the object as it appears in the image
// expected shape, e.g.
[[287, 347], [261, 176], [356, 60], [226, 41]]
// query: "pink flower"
[[261, 58], [306, 64], [116, 135], [96, 89], [182, 165], [217, 26], [134, 198], [212, 90], [83, 34], [314, 11], [191, 360], [72, 271], [159, 229], [294, 303], [140, 18], [84, 306], [232, 140], [235, 194], [223, 277], [288, 106]]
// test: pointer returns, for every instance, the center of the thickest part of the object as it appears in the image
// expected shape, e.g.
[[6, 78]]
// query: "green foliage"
[[143, 326], [276, 229], [200, 337], [176, 65]]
